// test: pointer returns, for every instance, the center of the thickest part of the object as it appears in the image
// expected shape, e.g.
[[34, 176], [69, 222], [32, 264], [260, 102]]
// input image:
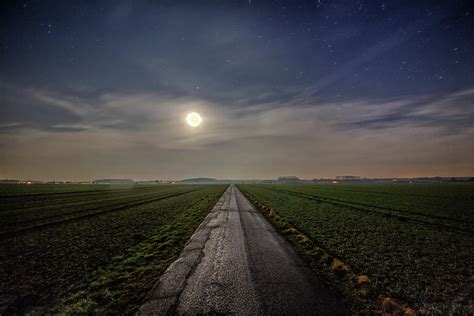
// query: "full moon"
[[193, 119]]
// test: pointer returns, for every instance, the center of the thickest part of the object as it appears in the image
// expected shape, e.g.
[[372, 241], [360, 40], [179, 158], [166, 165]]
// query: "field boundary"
[[357, 290]]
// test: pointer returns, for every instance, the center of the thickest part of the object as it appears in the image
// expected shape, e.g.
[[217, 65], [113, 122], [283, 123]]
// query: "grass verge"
[[358, 291]]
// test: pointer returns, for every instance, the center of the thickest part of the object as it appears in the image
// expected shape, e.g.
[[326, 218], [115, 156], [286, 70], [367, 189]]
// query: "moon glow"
[[193, 119]]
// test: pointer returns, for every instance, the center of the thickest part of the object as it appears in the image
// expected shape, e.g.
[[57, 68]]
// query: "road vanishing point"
[[236, 263]]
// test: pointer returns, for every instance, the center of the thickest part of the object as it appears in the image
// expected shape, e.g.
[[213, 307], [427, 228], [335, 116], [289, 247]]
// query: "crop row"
[[10, 204], [41, 190], [453, 201], [76, 214], [19, 220], [440, 222]]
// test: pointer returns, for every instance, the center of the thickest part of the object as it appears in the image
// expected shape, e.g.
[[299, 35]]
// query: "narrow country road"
[[236, 263]]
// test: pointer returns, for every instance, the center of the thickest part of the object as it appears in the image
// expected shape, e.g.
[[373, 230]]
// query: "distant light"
[[193, 119]]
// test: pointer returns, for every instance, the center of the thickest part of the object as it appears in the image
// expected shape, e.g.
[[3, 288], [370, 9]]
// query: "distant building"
[[9, 181], [289, 179], [168, 181], [149, 182], [113, 181], [348, 177]]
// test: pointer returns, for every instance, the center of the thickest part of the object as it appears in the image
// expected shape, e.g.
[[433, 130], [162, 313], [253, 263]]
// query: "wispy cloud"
[[143, 111], [133, 133]]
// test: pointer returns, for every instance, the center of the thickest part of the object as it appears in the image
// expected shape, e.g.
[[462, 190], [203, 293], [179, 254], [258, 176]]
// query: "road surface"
[[236, 263]]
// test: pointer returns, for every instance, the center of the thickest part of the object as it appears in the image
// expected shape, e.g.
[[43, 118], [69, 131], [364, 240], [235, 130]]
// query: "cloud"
[[452, 113], [144, 135], [293, 116]]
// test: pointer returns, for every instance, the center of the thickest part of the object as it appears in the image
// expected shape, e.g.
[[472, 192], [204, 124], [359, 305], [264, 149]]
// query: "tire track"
[[57, 207], [382, 211], [40, 253], [379, 207], [21, 196], [7, 234], [30, 204]]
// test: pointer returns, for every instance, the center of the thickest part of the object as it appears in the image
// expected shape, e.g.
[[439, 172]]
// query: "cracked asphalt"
[[236, 263]]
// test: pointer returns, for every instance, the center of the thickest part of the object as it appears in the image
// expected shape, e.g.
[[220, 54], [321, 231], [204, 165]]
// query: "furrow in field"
[[48, 200], [95, 212], [26, 195], [385, 211], [65, 242], [63, 209], [379, 207], [417, 195]]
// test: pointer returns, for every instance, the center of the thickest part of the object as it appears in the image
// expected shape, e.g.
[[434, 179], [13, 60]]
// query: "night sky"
[[92, 89]]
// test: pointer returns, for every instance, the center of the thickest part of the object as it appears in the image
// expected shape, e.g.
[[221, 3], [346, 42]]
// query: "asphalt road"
[[236, 263]]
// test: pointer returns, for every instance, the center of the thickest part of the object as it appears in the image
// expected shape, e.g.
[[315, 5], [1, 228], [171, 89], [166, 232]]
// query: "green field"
[[84, 248], [414, 241]]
